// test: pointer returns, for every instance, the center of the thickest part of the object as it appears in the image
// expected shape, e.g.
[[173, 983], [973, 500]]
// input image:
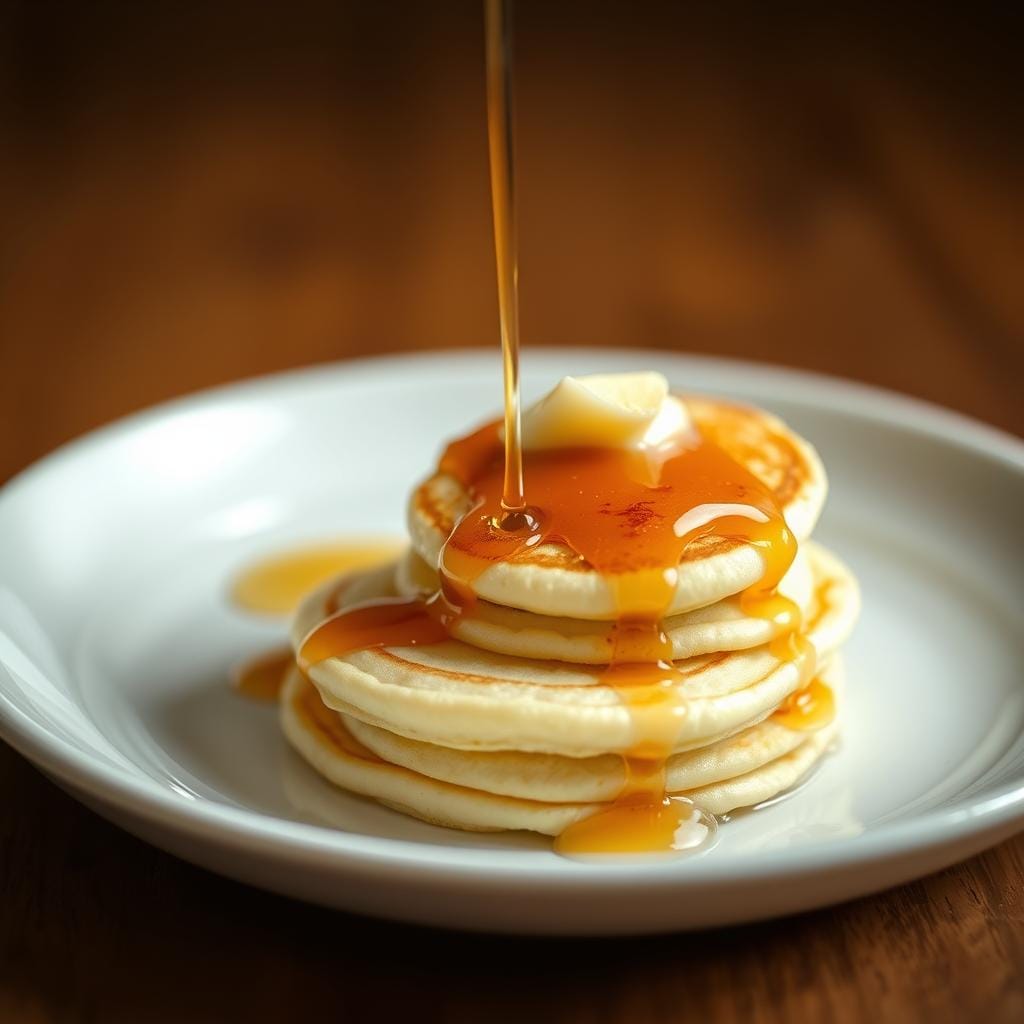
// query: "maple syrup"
[[387, 622], [275, 585], [808, 709], [501, 144]]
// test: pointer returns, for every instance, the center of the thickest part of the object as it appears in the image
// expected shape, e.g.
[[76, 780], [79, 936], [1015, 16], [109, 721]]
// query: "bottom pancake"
[[768, 758]]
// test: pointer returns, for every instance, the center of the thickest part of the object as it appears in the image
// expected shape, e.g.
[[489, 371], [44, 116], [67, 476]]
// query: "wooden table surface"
[[195, 197]]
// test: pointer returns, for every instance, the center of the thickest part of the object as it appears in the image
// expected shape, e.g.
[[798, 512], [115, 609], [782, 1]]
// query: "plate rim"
[[143, 798]]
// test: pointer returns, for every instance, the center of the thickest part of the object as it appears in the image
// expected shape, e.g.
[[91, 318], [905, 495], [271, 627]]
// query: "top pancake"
[[551, 579]]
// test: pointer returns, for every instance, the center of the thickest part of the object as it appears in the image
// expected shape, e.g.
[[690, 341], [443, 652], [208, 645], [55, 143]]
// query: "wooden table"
[[192, 198]]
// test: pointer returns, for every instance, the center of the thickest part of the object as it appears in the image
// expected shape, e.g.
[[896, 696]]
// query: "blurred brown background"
[[192, 193]]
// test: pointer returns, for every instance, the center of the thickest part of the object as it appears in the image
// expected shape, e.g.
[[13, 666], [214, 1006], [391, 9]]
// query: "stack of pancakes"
[[511, 722]]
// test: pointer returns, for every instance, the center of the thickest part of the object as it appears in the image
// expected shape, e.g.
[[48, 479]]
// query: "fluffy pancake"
[[554, 779], [322, 738], [458, 696], [505, 714], [552, 580]]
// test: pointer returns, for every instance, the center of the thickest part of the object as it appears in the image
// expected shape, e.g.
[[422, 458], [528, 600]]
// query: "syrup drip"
[[643, 818], [388, 622], [808, 709]]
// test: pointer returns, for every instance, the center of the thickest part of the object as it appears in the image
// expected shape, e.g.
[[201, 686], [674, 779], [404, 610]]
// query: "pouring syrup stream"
[[501, 143]]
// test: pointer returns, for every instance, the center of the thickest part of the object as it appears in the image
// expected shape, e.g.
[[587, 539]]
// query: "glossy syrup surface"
[[809, 708], [387, 622]]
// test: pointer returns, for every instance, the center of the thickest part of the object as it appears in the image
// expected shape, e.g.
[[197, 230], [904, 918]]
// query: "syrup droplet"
[[808, 709], [670, 825]]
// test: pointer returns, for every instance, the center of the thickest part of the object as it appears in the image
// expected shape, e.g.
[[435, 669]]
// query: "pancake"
[[458, 696], [321, 737], [553, 779], [721, 626], [533, 689], [550, 579]]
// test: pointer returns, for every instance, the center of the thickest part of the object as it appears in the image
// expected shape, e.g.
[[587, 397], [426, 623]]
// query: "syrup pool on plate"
[[277, 583]]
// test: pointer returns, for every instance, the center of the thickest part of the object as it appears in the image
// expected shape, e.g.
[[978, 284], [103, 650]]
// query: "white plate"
[[116, 638]]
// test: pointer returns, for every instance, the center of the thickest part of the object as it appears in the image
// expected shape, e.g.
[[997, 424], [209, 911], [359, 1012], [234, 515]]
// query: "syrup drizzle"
[[501, 143], [809, 708], [387, 622]]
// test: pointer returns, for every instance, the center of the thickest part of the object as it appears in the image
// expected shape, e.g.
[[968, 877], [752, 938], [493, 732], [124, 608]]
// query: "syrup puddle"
[[275, 585]]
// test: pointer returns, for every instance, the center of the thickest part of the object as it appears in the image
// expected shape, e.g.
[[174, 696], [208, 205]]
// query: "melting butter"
[[627, 411]]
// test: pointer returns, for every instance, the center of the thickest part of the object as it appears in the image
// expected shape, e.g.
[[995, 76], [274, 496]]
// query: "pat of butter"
[[632, 411]]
